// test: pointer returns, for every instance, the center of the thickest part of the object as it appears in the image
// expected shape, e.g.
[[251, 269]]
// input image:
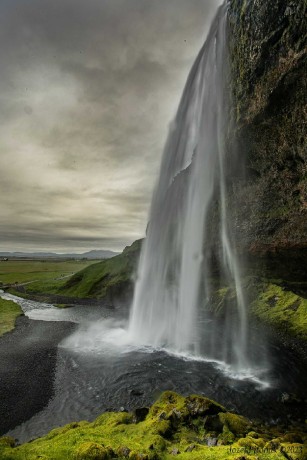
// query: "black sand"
[[27, 367]]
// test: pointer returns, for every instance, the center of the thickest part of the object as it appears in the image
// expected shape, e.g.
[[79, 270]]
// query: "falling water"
[[173, 271]]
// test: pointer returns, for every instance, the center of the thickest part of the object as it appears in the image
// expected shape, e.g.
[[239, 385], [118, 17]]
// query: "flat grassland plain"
[[41, 275]]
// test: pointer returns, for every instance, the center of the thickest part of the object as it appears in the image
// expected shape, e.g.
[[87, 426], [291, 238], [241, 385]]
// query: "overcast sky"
[[87, 91]]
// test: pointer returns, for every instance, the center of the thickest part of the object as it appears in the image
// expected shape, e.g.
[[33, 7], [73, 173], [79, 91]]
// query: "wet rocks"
[[211, 441], [198, 405], [268, 68], [123, 451], [140, 414], [190, 448], [136, 392], [213, 423]]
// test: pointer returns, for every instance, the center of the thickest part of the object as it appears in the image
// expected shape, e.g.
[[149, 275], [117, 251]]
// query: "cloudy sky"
[[87, 91]]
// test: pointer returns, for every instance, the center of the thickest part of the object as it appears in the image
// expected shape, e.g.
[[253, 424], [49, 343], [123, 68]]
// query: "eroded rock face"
[[268, 67]]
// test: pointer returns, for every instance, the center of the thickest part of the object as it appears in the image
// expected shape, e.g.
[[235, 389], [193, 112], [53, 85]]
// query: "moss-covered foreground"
[[185, 428], [9, 311]]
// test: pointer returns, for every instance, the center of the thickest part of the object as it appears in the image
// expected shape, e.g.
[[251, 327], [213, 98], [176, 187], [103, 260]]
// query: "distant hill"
[[94, 254]]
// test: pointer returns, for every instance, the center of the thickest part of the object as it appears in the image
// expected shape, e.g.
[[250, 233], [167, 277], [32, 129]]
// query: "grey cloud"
[[87, 90]]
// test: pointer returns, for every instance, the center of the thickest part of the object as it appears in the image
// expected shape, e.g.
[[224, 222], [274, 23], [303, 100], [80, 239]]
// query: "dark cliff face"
[[268, 69]]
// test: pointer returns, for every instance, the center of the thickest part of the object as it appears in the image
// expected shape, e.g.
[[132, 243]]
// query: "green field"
[[40, 275], [9, 311]]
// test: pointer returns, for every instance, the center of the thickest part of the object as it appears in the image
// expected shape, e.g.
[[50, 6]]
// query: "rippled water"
[[97, 371]]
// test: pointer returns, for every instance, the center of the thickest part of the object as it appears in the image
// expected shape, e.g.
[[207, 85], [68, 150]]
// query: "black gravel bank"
[[27, 366]]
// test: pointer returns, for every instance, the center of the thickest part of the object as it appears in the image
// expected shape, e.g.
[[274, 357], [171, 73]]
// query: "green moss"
[[168, 430], [251, 443], [91, 451], [295, 451], [272, 444], [219, 299], [113, 419], [292, 438], [226, 438], [64, 429], [9, 312], [175, 408], [282, 309], [7, 441], [237, 424], [168, 402], [199, 405]]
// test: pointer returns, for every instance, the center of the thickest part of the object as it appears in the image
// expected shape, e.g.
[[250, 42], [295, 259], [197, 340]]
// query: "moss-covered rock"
[[7, 441], [282, 309], [292, 438], [91, 451], [251, 443], [159, 437], [123, 452], [237, 424]]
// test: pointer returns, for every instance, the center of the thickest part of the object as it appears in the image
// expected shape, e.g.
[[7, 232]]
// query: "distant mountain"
[[94, 254], [100, 254]]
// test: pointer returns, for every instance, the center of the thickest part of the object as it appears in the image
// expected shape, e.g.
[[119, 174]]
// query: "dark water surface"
[[94, 373]]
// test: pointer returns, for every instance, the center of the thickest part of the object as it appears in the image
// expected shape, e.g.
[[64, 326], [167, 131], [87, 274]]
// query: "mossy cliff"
[[191, 428], [268, 69], [283, 309], [279, 306]]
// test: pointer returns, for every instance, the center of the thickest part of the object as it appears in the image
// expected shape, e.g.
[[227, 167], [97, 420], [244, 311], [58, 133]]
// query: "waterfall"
[[174, 269]]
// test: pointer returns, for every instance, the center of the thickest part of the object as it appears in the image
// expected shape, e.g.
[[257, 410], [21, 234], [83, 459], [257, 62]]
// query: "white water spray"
[[173, 264]]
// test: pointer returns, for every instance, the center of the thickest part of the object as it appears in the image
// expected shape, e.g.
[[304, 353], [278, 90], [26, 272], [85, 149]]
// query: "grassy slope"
[[9, 311], [174, 426], [98, 280]]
